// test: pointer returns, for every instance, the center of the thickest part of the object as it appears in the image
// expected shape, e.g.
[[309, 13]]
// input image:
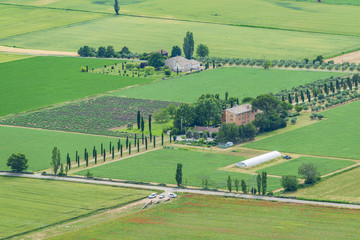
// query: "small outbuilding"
[[259, 159], [182, 64]]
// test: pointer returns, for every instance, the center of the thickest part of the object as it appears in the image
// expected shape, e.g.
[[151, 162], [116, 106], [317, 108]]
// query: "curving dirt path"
[[37, 52]]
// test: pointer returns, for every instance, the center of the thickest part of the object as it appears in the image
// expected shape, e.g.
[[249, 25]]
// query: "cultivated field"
[[324, 166], [37, 145], [239, 82], [159, 166], [16, 20], [205, 217], [335, 136], [328, 18], [342, 187], [29, 204], [41, 81], [96, 116], [5, 57], [149, 34]]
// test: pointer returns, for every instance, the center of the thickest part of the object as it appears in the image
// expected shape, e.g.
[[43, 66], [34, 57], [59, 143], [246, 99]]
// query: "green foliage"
[[116, 7], [244, 188], [234, 133], [149, 70], [202, 50], [178, 175], [289, 182], [17, 162], [162, 115], [176, 51], [267, 64], [55, 162], [188, 45], [309, 172], [156, 60], [229, 183]]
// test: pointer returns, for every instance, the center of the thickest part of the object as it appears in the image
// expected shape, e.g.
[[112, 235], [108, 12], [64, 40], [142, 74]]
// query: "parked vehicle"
[[153, 195], [161, 196], [172, 195], [286, 157]]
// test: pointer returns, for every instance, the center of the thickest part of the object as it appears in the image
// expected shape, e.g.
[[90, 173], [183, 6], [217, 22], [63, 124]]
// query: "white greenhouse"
[[259, 159]]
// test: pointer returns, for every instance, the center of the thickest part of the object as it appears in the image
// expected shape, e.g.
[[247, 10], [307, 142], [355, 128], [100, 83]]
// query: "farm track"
[[194, 191]]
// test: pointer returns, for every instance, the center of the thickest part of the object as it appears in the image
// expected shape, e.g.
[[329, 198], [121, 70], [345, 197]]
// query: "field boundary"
[[195, 191]]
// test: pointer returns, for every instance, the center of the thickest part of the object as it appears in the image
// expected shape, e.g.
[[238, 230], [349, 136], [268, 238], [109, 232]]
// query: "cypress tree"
[[263, 182], [142, 124], [138, 146], [258, 183], [86, 159], [127, 142], [95, 157], [326, 90], [337, 85], [135, 140], [119, 145], [76, 156], [178, 175], [162, 139], [349, 83], [142, 138], [102, 149], [104, 154], [110, 148], [282, 98], [121, 150], [332, 87], [170, 137], [85, 154], [129, 149], [308, 95], [150, 124], [154, 142], [138, 119], [302, 96], [296, 98], [289, 99], [150, 138], [78, 160], [113, 152], [145, 143]]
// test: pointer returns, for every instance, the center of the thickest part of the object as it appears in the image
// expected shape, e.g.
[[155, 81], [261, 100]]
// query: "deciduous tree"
[[17, 162]]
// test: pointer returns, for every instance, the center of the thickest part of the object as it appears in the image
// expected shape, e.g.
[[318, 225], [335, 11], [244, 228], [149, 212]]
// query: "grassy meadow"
[[238, 82], [38, 144], [197, 166], [341, 187], [305, 16], [16, 20], [324, 166], [149, 34], [336, 136], [209, 217], [6, 57], [30, 204], [42, 81]]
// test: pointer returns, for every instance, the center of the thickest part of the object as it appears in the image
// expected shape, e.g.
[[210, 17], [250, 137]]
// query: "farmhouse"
[[182, 64], [241, 115]]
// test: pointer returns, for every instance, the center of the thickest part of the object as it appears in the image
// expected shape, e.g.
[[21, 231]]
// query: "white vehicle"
[[153, 195], [172, 195], [230, 144], [161, 196]]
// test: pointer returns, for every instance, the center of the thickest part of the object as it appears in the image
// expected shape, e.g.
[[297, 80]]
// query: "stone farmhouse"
[[241, 115], [182, 64]]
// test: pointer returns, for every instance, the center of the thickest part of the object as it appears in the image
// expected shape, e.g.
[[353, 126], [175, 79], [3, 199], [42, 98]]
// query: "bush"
[[320, 116], [167, 72], [83, 69], [289, 183], [201, 141], [204, 135], [196, 135], [129, 126], [213, 134], [293, 120], [309, 172], [189, 134], [148, 70], [88, 174]]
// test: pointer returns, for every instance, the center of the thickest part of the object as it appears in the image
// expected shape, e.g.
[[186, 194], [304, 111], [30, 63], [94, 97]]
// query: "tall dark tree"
[[162, 139], [156, 60], [138, 145], [113, 152], [308, 95], [244, 187], [129, 149], [116, 7], [289, 98], [208, 110], [145, 143], [263, 182], [121, 150], [138, 119], [179, 174], [110, 147], [95, 157], [150, 123], [142, 124], [229, 183], [176, 51], [188, 45], [302, 96], [102, 149], [101, 52], [68, 160], [135, 140], [142, 138], [127, 142], [55, 160], [17, 162], [154, 142], [258, 183], [337, 85], [104, 154], [118, 146]]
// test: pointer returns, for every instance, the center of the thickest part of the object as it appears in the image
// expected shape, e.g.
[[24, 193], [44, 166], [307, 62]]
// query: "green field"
[[238, 82], [30, 204], [197, 166], [41, 81], [19, 20], [324, 166], [38, 144], [6, 57], [333, 137], [301, 16], [149, 34], [208, 217], [342, 187]]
